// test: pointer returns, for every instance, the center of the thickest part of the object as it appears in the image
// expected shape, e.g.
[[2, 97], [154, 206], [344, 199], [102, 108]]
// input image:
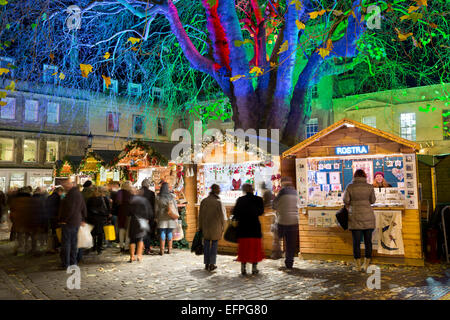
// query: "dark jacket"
[[73, 209], [211, 219], [21, 206], [286, 205], [97, 213], [359, 195], [40, 217], [140, 209], [150, 196], [123, 208], [247, 210], [52, 205], [115, 204]]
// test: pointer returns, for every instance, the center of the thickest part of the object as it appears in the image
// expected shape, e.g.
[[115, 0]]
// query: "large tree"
[[264, 55]]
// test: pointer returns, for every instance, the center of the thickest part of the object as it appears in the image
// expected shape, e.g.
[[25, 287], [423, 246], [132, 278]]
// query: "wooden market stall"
[[323, 165], [230, 167]]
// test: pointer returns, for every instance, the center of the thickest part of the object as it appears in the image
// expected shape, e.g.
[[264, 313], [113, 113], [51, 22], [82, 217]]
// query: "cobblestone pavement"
[[181, 276]]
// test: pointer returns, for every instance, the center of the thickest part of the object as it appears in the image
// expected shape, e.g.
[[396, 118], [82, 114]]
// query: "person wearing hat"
[[87, 190], [379, 181]]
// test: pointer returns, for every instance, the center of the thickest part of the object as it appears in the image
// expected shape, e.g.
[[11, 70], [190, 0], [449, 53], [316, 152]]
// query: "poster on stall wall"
[[325, 219], [367, 166], [410, 182], [302, 179], [102, 174], [390, 240]]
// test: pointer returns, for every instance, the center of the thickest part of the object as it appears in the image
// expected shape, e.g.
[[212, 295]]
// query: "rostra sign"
[[348, 150]]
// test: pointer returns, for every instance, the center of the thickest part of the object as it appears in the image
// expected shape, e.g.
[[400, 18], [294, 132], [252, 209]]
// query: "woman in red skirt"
[[246, 212]]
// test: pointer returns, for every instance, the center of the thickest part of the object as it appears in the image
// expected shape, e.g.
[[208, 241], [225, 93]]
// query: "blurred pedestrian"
[[21, 207], [40, 219], [12, 193], [52, 206], [266, 195], [165, 223], [87, 190], [246, 212], [3, 208], [113, 188], [286, 206], [73, 213], [358, 197], [152, 234], [123, 211], [211, 221], [97, 215], [139, 214]]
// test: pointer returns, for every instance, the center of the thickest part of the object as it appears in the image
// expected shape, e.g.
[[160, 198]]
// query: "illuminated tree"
[[264, 55]]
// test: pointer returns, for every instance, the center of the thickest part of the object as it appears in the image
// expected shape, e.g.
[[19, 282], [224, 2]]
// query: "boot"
[[243, 269], [140, 249], [366, 264], [132, 249], [254, 269], [169, 250], [357, 266], [161, 247]]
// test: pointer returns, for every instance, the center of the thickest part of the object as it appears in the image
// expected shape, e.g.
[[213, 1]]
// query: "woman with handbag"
[[97, 216], [358, 197], [211, 222], [167, 213], [246, 212], [140, 212]]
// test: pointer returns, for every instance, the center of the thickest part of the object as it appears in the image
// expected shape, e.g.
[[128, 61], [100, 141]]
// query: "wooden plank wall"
[[443, 180], [191, 197], [335, 241]]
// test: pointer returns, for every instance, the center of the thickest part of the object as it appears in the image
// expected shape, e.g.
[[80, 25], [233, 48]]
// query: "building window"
[[446, 124], [113, 87], [315, 93], [29, 150], [31, 110], [138, 124], [8, 63], [162, 127], [157, 93], [6, 149], [53, 112], [408, 126], [112, 119], [312, 127], [134, 89], [49, 74], [52, 151], [370, 121], [9, 110]]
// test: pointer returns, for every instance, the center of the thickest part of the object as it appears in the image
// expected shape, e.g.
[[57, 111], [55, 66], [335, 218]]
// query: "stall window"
[[370, 121], [6, 149], [52, 151], [31, 110], [315, 92], [29, 150], [9, 110], [53, 112], [446, 124], [112, 119], [312, 127], [7, 63], [162, 127], [157, 93], [408, 126], [138, 124], [112, 88], [134, 89]]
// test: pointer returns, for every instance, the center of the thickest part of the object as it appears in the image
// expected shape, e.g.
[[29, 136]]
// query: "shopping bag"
[[85, 239], [197, 243], [172, 211], [110, 233], [231, 233], [59, 234], [342, 217], [178, 233]]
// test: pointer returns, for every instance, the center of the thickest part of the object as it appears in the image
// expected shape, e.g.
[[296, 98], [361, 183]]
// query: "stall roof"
[[346, 122], [431, 160], [165, 148], [107, 155], [76, 161]]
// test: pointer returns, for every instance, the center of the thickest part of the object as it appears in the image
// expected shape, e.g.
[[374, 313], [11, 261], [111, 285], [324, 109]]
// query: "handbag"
[[143, 224], [172, 211], [197, 243], [84, 236], [231, 233], [110, 233], [178, 233], [342, 217]]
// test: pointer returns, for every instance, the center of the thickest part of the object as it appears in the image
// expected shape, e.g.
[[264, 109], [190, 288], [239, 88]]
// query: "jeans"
[[210, 251], [356, 235], [290, 236], [164, 232], [69, 249]]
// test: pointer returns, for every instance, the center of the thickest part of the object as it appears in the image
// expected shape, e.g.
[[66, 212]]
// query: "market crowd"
[[49, 223]]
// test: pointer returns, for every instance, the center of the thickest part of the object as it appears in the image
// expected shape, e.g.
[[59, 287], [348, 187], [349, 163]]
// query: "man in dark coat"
[[97, 216], [73, 214], [140, 212], [52, 205], [21, 215], [150, 196]]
